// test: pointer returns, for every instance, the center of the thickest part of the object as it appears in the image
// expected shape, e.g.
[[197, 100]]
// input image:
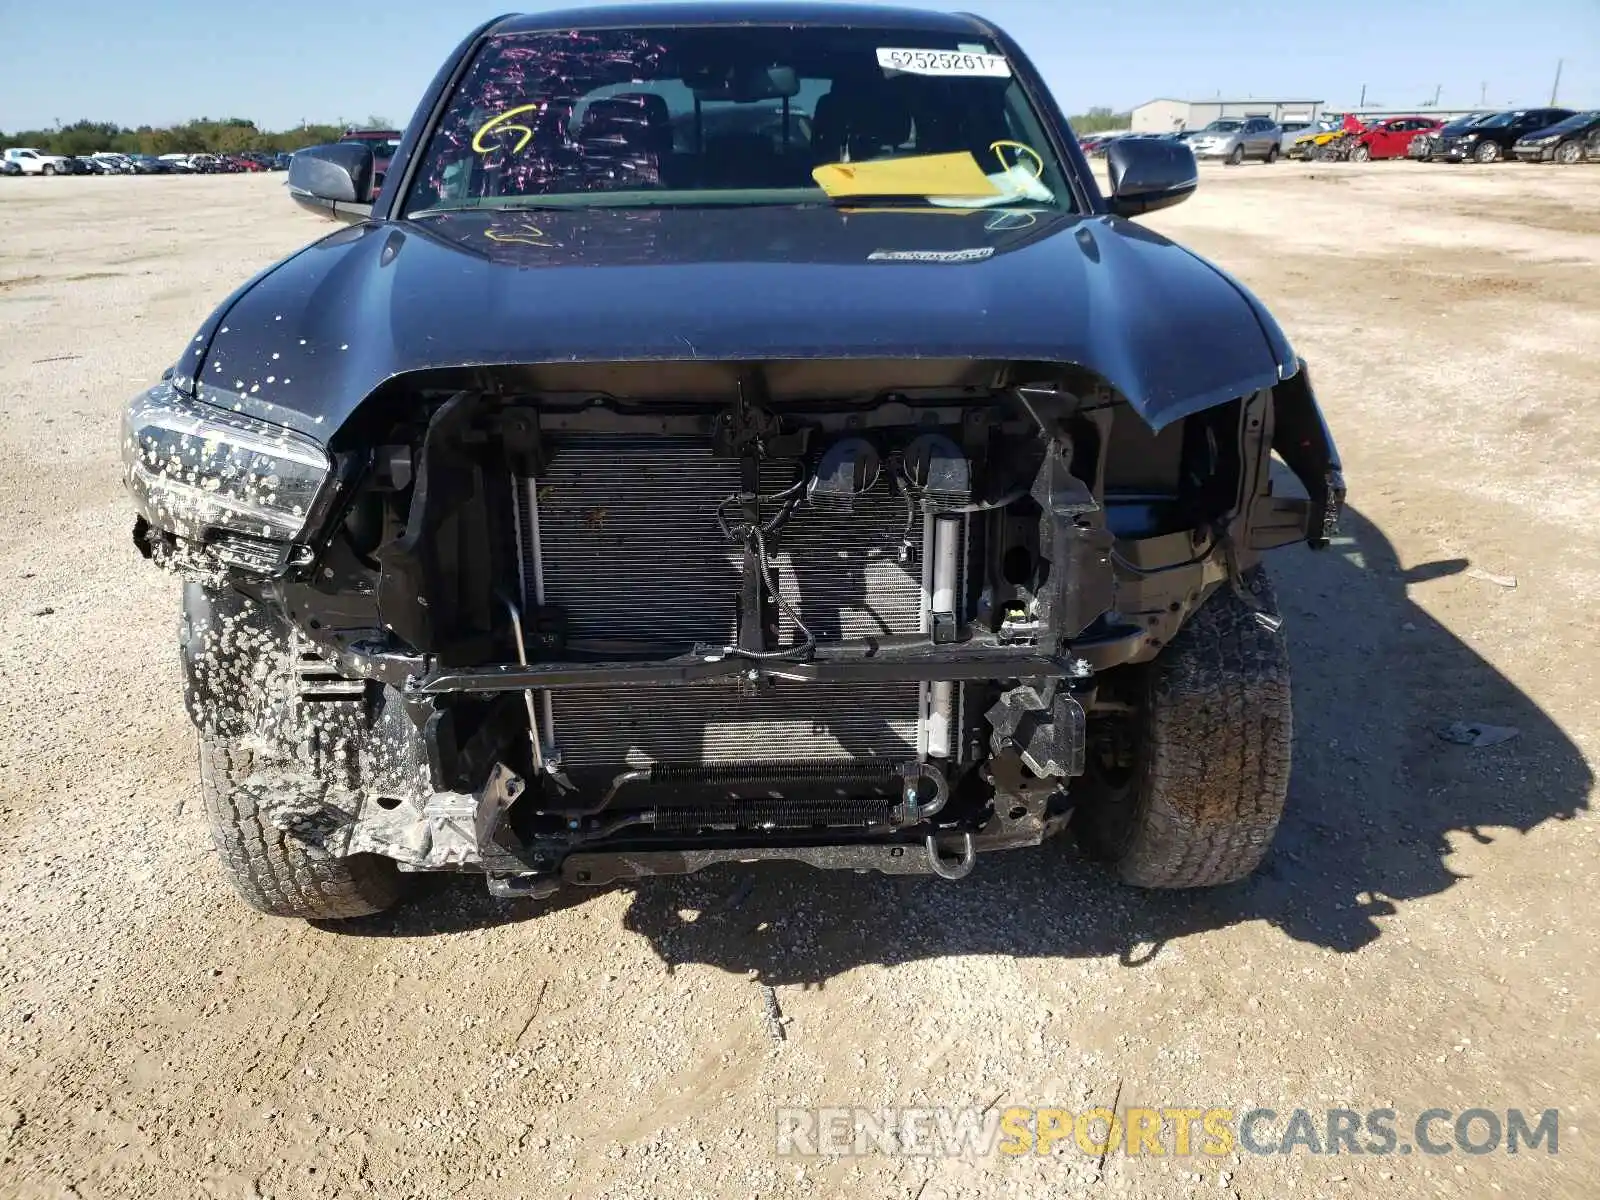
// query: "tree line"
[[1100, 119], [235, 134], [232, 135]]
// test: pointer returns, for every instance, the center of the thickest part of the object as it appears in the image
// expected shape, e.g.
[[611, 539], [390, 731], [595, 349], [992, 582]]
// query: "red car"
[[1390, 137], [384, 143]]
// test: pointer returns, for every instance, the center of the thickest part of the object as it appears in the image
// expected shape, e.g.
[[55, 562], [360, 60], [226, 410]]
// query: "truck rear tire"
[[1195, 797], [275, 872]]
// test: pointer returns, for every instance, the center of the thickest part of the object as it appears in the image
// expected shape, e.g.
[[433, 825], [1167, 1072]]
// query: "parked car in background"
[[1390, 137], [85, 164], [1491, 139], [1290, 131], [149, 164], [281, 161], [1427, 146], [37, 162], [7, 167], [1095, 143], [1234, 139], [178, 163], [114, 162], [1569, 141], [1320, 132], [383, 143]]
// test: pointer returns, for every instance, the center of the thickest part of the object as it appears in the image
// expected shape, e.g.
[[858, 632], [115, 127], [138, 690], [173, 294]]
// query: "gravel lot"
[[1418, 939]]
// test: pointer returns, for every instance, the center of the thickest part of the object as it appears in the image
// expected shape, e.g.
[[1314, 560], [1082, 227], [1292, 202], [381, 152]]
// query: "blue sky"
[[161, 61]]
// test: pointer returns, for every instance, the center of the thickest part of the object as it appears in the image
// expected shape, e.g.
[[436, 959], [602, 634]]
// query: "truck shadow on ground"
[[1375, 798]]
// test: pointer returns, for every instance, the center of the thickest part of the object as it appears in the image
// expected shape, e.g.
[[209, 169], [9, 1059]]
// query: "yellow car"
[[1330, 128], [1308, 143]]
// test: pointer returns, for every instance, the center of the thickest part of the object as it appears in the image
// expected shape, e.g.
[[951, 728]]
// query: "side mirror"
[[333, 180], [1147, 174]]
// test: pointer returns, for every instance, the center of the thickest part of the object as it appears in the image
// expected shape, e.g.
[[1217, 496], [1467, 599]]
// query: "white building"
[[1165, 116]]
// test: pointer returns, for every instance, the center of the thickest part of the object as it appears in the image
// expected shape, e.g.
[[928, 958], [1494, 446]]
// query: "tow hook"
[[910, 810], [945, 868]]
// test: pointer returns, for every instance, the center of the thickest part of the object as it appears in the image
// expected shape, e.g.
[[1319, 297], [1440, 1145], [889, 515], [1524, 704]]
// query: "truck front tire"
[[1196, 798], [236, 658], [274, 871]]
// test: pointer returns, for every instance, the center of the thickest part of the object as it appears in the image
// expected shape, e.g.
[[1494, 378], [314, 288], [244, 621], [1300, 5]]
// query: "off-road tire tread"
[[1217, 748], [276, 873]]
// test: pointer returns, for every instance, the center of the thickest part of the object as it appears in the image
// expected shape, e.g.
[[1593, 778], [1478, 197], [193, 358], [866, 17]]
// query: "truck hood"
[[305, 342]]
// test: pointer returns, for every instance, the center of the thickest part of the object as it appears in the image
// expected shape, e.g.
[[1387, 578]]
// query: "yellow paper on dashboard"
[[921, 175]]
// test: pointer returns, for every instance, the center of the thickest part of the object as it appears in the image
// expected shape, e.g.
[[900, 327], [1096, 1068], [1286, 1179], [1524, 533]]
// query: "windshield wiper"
[[950, 204], [880, 200], [439, 210]]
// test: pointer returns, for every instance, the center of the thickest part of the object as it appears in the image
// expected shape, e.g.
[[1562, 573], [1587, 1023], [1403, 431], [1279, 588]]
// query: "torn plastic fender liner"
[[1301, 438]]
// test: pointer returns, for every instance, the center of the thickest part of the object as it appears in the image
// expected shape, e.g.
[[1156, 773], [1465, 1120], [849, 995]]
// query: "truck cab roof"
[[778, 12]]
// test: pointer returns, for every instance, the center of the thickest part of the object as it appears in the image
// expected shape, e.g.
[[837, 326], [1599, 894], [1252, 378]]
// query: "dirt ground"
[[1421, 936]]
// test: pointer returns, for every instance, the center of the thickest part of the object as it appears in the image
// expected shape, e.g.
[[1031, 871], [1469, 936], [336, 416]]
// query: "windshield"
[[1499, 120], [1223, 126], [747, 115], [1573, 123]]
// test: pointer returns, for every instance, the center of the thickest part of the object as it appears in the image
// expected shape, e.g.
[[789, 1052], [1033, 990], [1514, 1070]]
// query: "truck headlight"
[[194, 468]]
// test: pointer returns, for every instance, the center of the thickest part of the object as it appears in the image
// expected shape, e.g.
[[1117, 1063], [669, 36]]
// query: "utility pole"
[[1556, 86], [1437, 88], [1483, 95], [1362, 103]]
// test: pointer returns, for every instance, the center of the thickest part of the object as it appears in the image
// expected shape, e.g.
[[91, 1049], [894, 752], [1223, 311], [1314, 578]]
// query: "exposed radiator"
[[621, 533], [631, 548]]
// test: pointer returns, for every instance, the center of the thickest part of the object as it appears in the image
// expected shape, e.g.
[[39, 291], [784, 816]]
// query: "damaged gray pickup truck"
[[729, 435]]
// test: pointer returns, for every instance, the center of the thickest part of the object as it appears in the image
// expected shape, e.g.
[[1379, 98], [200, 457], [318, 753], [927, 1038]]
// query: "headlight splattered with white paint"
[[195, 469]]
